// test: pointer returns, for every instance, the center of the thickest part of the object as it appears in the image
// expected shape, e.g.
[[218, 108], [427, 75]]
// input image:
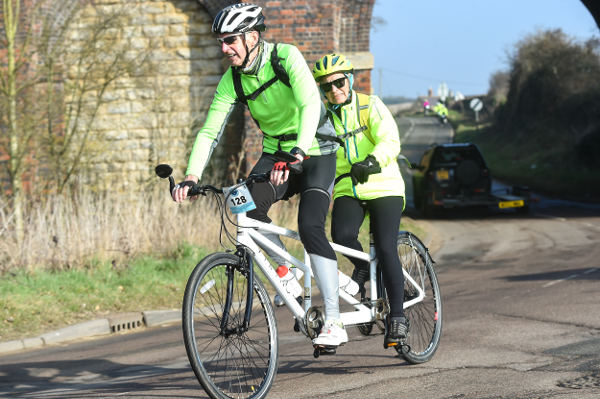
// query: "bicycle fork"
[[244, 264]]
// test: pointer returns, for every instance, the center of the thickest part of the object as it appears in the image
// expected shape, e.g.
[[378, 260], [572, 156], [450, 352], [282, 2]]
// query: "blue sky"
[[461, 42]]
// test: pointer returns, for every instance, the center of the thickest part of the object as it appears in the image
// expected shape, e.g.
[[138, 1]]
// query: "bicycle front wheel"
[[424, 316], [229, 360]]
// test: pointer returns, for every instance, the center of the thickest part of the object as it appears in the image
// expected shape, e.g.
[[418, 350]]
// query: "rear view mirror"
[[163, 170]]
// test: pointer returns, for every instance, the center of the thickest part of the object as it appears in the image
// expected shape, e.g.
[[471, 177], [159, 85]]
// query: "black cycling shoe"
[[360, 276], [397, 331]]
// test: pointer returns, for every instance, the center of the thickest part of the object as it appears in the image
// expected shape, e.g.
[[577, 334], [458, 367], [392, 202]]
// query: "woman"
[[368, 179]]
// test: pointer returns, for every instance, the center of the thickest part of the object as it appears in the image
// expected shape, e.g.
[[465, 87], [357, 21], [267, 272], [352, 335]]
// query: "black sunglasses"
[[339, 83], [229, 40]]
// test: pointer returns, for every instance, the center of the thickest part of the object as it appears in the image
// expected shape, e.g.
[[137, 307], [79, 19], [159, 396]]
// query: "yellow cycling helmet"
[[332, 63]]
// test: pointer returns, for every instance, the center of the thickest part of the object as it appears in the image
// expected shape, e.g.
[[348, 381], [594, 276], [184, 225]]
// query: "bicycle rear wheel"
[[228, 361], [425, 316]]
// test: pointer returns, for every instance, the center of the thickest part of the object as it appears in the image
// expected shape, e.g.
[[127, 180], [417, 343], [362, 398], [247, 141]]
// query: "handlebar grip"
[[195, 190]]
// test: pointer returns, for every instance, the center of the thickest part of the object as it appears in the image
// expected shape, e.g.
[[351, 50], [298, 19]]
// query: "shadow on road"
[[67, 379], [589, 273]]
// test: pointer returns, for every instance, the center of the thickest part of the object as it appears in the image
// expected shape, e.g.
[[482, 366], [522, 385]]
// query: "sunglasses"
[[229, 40], [339, 83]]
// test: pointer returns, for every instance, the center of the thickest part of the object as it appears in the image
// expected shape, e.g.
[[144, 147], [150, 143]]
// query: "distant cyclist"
[[426, 106], [441, 110], [276, 84], [367, 179]]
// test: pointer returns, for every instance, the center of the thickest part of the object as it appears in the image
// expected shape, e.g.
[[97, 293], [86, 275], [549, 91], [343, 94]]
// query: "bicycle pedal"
[[324, 350], [404, 348]]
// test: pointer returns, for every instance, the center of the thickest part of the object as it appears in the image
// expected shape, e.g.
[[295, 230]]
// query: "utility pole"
[[380, 79]]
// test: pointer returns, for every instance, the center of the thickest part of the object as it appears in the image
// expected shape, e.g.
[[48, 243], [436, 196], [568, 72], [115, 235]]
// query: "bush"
[[552, 100]]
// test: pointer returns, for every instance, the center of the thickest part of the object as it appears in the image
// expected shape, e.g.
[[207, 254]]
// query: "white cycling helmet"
[[239, 18]]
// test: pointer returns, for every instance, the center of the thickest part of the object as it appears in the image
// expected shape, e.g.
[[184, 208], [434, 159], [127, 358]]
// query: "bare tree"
[[15, 142], [53, 80]]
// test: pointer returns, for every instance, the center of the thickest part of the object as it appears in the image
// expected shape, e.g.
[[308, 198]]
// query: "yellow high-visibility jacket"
[[370, 131]]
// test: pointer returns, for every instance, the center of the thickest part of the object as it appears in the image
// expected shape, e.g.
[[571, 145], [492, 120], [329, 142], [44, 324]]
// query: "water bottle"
[[289, 281], [347, 284]]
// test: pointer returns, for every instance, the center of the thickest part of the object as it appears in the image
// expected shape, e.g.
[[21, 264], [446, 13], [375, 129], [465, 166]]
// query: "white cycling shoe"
[[333, 333]]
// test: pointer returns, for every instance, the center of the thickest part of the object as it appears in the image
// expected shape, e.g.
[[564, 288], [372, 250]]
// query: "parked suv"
[[451, 175]]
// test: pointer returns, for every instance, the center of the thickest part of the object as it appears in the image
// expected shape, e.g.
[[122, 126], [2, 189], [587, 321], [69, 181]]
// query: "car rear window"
[[453, 155]]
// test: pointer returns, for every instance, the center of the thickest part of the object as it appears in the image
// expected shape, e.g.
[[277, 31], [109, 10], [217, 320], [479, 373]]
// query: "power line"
[[429, 79]]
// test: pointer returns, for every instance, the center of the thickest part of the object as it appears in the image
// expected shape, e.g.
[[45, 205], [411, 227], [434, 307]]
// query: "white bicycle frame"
[[249, 234]]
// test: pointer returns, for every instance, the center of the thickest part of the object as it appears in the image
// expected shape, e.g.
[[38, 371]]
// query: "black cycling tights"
[[385, 212], [314, 185]]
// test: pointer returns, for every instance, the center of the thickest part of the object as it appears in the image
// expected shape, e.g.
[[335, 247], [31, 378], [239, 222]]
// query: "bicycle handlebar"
[[202, 189], [164, 171]]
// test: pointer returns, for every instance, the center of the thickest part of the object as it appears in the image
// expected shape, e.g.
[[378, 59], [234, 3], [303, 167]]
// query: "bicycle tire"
[[425, 317], [240, 364]]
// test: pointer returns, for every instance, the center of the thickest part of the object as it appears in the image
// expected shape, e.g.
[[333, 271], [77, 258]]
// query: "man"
[[274, 81]]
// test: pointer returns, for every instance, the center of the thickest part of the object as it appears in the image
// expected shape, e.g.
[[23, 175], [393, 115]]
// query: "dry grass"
[[70, 231]]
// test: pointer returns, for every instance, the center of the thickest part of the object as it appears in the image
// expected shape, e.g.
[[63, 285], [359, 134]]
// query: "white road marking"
[[572, 276]]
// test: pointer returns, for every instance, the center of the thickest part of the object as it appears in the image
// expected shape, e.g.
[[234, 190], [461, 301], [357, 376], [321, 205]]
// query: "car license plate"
[[511, 204], [441, 174]]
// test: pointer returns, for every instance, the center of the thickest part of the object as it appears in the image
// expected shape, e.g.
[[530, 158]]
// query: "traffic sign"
[[476, 104]]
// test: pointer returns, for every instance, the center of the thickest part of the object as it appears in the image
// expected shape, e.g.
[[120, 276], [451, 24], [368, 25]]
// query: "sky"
[[460, 42]]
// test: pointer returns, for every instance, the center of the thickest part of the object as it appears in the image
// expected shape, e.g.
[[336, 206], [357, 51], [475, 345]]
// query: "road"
[[521, 320]]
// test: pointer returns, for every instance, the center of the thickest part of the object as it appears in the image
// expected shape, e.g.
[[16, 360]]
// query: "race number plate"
[[511, 204], [239, 199]]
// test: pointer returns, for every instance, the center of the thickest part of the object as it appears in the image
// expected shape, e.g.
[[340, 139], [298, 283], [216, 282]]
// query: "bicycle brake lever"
[[295, 167], [195, 190]]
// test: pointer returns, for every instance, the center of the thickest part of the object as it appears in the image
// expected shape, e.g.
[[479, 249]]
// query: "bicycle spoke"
[[231, 362], [425, 315]]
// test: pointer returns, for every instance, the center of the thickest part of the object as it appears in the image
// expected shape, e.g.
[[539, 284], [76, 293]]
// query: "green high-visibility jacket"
[[377, 136], [278, 110], [441, 109]]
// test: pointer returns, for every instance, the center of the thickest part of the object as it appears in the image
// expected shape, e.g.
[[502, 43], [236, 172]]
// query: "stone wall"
[[152, 115]]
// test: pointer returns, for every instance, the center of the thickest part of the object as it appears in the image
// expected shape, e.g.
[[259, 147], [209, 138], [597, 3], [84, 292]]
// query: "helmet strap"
[[248, 52], [350, 77]]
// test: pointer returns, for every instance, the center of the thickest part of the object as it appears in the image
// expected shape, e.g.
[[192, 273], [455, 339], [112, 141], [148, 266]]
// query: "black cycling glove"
[[288, 160], [361, 170]]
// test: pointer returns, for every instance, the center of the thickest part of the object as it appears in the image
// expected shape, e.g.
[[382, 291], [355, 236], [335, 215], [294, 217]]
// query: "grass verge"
[[43, 300]]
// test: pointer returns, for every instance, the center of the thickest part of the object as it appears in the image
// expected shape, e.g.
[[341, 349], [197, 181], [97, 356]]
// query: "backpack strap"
[[237, 86], [280, 74], [279, 70]]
